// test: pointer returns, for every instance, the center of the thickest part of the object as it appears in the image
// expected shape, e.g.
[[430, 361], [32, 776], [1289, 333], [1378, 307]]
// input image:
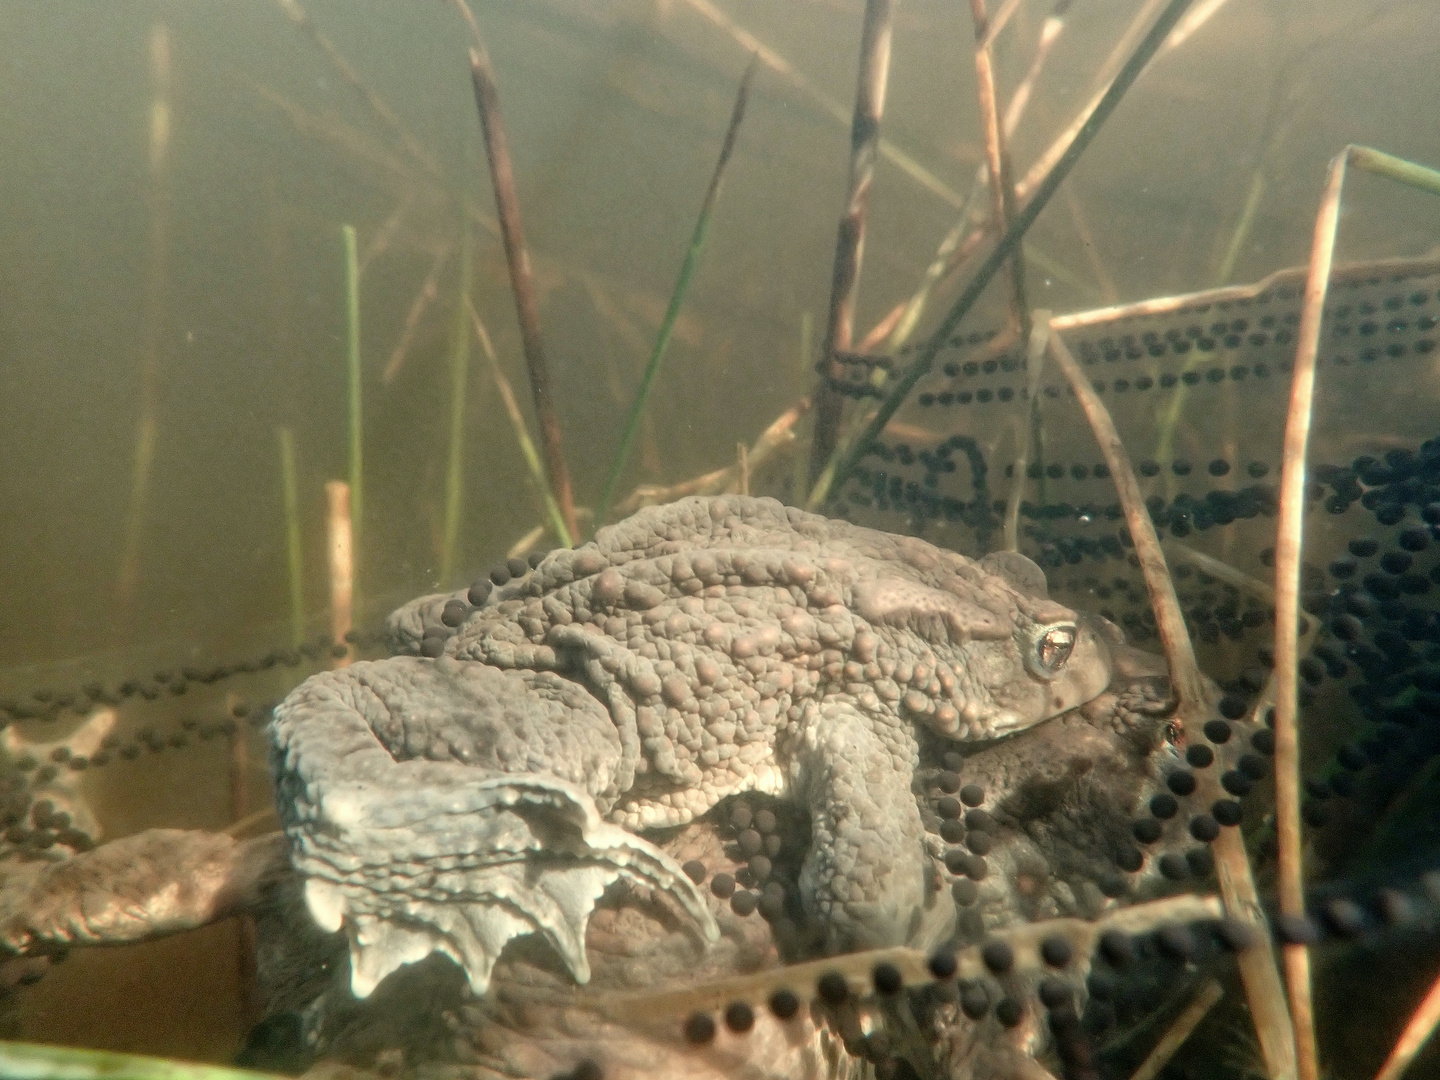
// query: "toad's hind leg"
[[867, 878], [442, 806]]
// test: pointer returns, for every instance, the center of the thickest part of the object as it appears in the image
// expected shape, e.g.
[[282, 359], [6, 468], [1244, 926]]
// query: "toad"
[[531, 740]]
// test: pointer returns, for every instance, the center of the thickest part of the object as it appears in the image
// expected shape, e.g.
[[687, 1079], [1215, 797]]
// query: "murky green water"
[[184, 291]]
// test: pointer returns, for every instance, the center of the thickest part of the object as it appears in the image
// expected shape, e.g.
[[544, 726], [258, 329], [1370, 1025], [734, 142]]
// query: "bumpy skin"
[[694, 651], [1063, 796]]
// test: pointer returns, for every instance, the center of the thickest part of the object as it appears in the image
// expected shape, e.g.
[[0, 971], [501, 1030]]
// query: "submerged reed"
[[352, 369], [290, 496], [842, 463], [459, 372], [1288, 541], [677, 297]]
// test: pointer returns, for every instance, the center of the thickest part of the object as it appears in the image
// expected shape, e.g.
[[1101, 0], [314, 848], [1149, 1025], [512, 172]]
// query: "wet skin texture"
[[496, 785]]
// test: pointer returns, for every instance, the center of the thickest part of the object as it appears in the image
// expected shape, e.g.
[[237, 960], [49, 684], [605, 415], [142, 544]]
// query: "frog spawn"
[[1019, 994], [1046, 991]]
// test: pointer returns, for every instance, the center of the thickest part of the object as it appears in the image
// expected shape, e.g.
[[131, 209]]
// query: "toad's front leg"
[[867, 878], [446, 806]]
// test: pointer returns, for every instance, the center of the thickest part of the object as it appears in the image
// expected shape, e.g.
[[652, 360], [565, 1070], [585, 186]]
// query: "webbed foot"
[[455, 856]]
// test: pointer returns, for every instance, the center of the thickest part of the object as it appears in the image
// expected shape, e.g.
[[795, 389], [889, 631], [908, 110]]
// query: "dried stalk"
[[522, 282], [1188, 1020], [997, 164], [1417, 1032], [870, 85], [353, 377], [1287, 568], [341, 561], [1263, 989], [290, 497], [779, 435], [843, 462], [157, 290]]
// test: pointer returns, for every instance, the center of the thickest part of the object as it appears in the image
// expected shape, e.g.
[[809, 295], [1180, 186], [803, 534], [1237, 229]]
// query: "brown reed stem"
[[1417, 1032], [522, 282], [997, 163], [1169, 620], [1287, 611], [870, 84], [1287, 565], [1263, 990]]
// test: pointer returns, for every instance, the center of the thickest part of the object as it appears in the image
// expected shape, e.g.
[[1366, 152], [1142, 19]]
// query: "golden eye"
[[1054, 647]]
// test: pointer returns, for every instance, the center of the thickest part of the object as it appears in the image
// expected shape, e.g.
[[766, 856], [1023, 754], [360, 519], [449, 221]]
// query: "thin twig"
[[1189, 1019], [677, 297], [1263, 989], [1417, 1032], [870, 83], [843, 462], [522, 281]]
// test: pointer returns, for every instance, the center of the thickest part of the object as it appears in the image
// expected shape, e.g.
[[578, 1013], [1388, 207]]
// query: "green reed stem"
[[1398, 169], [677, 298], [352, 354], [459, 371], [842, 463], [290, 493]]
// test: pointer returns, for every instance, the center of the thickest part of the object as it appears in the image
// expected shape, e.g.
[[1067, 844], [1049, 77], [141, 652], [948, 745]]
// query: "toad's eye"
[[1053, 647]]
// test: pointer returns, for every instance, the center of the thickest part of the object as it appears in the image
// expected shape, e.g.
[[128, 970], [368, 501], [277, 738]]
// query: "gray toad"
[[498, 779]]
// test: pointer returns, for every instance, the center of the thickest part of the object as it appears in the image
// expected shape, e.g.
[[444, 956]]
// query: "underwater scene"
[[788, 539]]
